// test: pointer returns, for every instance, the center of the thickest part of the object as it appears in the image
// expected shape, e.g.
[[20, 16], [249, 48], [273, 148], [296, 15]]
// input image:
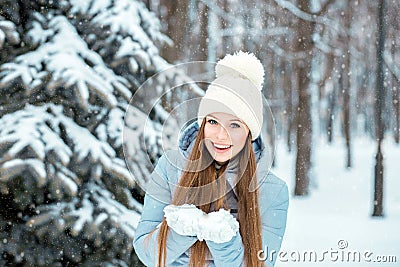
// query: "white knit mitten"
[[217, 226], [183, 219]]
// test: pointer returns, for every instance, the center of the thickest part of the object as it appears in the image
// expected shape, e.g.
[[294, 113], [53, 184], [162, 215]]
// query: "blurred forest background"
[[68, 69]]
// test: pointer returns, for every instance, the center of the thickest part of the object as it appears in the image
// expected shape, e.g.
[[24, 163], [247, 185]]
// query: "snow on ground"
[[334, 223]]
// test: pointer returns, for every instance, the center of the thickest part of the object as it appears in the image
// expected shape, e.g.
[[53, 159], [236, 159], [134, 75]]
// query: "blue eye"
[[211, 121], [235, 125]]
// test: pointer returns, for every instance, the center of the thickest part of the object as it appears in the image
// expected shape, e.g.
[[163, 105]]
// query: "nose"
[[222, 133]]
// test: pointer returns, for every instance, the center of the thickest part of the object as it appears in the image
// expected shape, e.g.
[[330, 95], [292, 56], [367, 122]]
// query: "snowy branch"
[[96, 217], [51, 147], [295, 10], [310, 17], [275, 31], [71, 65], [129, 24], [285, 54], [323, 46], [8, 32], [97, 207], [141, 144], [390, 63]]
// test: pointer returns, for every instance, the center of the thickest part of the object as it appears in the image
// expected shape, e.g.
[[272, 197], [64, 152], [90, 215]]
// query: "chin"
[[222, 160]]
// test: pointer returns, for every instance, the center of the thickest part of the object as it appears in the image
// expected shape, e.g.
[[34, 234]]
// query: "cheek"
[[207, 131], [240, 140]]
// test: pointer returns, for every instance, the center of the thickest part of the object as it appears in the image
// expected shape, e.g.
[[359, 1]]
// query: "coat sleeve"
[[158, 195], [229, 253], [273, 220]]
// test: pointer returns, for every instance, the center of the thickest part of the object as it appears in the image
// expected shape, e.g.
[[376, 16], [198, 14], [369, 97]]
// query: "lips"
[[221, 147]]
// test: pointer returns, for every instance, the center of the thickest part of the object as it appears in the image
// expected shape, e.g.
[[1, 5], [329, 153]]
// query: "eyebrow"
[[229, 120]]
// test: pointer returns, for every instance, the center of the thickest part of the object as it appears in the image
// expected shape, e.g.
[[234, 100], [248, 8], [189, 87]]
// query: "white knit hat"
[[236, 90]]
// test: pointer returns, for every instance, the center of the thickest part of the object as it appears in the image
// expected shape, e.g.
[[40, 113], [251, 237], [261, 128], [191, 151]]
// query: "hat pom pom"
[[242, 64]]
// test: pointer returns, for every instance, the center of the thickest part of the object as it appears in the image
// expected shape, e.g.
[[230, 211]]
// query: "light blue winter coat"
[[273, 202]]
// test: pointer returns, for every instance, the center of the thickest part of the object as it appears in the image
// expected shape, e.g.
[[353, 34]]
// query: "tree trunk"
[[287, 87], [331, 113], [346, 84], [304, 124], [327, 79], [226, 41], [379, 98], [176, 14], [395, 97], [201, 51], [396, 103]]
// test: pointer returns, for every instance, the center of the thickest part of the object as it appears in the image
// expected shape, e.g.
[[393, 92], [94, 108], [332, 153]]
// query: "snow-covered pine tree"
[[67, 72]]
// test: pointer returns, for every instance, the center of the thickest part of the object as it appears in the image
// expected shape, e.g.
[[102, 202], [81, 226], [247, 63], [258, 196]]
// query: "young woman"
[[214, 201]]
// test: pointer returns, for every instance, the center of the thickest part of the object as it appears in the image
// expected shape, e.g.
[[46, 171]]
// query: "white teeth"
[[221, 146]]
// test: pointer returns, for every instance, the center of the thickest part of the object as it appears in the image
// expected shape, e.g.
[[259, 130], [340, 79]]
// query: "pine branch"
[[30, 142], [8, 32], [70, 64]]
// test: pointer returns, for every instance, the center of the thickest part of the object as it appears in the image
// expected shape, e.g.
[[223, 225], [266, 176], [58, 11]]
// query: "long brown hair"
[[200, 181]]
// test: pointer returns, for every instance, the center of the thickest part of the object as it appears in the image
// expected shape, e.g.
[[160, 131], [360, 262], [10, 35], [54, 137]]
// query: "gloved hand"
[[217, 226], [183, 219]]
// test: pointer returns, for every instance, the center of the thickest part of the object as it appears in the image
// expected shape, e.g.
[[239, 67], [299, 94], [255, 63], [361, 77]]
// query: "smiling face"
[[225, 135]]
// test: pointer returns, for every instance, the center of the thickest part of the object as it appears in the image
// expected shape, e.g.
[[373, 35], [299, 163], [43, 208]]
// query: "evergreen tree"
[[67, 72]]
